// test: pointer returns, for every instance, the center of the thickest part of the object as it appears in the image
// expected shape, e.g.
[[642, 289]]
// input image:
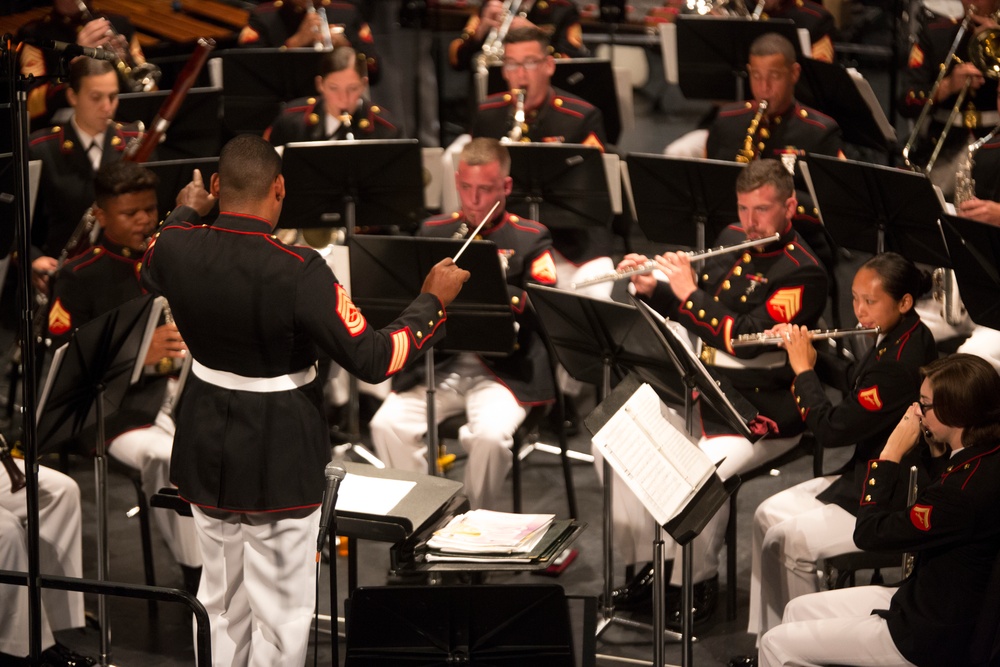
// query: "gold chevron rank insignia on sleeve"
[[543, 269], [870, 399], [785, 303], [60, 320], [400, 351], [349, 314], [920, 517]]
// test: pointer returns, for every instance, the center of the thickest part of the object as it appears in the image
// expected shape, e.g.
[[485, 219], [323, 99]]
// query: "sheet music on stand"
[[646, 445]]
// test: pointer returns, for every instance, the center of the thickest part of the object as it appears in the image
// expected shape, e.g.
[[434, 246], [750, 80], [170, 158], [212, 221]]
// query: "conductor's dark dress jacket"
[[248, 304]]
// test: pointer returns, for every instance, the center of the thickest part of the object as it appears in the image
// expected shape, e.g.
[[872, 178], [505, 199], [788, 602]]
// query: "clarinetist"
[[340, 109], [796, 528], [760, 288]]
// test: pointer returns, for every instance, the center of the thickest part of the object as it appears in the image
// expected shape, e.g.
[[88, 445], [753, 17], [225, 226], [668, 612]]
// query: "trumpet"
[[138, 77], [747, 340], [650, 265], [747, 153]]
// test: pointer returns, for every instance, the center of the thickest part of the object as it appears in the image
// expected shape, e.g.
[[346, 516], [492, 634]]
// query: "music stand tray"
[[194, 132], [590, 79], [713, 52], [377, 182], [563, 186], [974, 248], [388, 272], [683, 201], [871, 208], [258, 81], [173, 175]]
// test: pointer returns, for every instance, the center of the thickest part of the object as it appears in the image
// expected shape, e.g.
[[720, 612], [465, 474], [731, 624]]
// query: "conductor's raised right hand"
[[445, 281]]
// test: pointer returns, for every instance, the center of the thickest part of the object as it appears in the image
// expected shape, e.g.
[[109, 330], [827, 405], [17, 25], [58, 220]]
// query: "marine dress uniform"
[[797, 131], [560, 19], [737, 294], [494, 392], [562, 118], [141, 433], [271, 23], [252, 440], [305, 119], [930, 618], [66, 188], [814, 18], [815, 519]]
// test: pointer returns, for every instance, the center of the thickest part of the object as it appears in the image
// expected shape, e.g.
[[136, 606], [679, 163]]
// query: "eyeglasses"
[[925, 407], [528, 65]]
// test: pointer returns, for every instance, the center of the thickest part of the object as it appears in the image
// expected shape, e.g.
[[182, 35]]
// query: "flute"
[[746, 340], [650, 265]]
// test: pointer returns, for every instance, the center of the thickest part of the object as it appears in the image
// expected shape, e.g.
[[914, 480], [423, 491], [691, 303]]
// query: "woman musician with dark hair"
[[951, 528], [796, 528]]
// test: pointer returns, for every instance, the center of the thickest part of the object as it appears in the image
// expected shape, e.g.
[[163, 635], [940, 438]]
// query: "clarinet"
[[17, 481]]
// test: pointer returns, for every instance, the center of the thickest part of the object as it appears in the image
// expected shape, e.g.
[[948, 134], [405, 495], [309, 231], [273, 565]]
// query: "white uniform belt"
[[767, 360], [228, 380], [984, 118]]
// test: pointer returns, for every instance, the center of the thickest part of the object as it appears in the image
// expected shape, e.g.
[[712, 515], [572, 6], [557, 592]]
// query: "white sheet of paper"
[[371, 495]]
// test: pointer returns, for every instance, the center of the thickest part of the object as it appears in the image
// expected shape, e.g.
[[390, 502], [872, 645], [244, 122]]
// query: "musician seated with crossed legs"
[[141, 434], [60, 554], [495, 393], [796, 528], [340, 112], [951, 530], [780, 282]]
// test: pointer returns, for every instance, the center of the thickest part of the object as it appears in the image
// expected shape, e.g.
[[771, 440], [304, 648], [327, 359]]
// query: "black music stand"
[[830, 88], [713, 52], [87, 382], [196, 130], [974, 248], [590, 79], [683, 201], [257, 81], [484, 626], [563, 186], [173, 175], [872, 208], [372, 184], [387, 274]]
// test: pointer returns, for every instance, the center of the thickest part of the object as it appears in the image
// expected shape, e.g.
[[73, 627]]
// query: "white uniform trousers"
[[633, 525], [833, 628], [983, 342], [258, 584], [148, 451], [400, 425], [792, 531], [60, 554]]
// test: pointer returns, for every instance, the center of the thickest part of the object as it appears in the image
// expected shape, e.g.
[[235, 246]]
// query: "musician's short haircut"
[[483, 150], [122, 177], [965, 390], [84, 67], [772, 44], [248, 166], [528, 34], [899, 276], [341, 58], [763, 172]]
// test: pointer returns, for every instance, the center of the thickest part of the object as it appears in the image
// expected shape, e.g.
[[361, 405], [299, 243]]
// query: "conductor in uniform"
[[339, 112], [295, 24], [494, 392], [558, 19], [780, 282], [71, 154], [252, 440]]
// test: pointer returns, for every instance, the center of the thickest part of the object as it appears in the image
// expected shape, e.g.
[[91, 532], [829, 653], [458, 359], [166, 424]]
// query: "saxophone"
[[747, 153], [518, 127]]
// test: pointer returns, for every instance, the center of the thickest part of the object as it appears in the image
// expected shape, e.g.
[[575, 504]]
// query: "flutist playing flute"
[[749, 292], [814, 520]]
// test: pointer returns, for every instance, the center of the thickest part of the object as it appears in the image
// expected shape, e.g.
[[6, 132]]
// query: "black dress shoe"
[[637, 594], [743, 661], [63, 656], [706, 595]]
